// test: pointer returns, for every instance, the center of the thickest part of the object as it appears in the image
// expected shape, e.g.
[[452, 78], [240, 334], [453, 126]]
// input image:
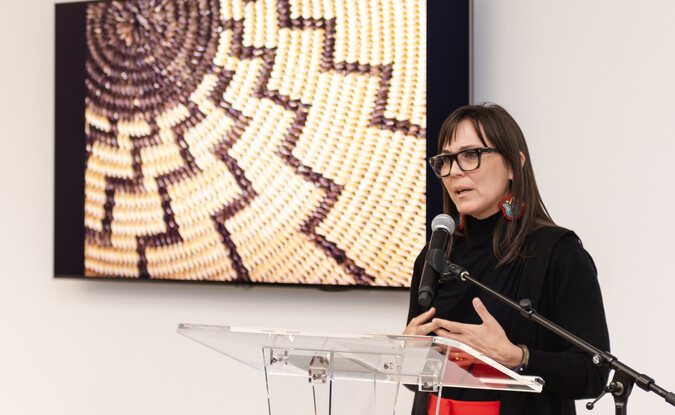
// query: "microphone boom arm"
[[624, 376]]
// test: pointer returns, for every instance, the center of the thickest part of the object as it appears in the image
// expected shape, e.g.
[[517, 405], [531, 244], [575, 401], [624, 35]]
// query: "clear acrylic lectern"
[[330, 373]]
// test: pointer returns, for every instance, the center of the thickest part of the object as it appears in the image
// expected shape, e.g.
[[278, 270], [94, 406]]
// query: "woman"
[[507, 240]]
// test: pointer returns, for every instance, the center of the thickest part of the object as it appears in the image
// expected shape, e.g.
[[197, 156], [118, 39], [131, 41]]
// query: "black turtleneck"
[[474, 251]]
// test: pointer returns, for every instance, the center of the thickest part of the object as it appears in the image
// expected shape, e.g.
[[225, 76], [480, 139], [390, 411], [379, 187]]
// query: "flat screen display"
[[272, 142]]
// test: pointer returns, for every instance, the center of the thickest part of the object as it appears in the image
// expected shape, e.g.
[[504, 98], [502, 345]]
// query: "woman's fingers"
[[424, 316], [420, 325], [453, 326], [482, 311], [488, 338]]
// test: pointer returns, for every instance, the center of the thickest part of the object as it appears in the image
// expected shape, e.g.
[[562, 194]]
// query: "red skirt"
[[451, 407]]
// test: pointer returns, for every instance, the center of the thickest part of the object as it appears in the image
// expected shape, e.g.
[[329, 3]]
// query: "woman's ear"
[[522, 163]]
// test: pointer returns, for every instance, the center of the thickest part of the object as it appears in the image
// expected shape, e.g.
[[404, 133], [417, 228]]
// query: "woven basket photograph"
[[255, 141]]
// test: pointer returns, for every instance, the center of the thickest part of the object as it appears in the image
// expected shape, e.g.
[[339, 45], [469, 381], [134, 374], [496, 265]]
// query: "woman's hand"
[[488, 338], [420, 325]]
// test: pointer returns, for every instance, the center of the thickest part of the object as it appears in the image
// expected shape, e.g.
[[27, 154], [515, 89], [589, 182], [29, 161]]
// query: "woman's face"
[[477, 192]]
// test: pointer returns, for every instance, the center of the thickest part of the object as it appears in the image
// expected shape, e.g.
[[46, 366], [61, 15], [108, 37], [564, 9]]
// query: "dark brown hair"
[[492, 121]]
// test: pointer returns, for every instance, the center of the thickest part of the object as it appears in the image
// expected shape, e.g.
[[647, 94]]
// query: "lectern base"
[[293, 395]]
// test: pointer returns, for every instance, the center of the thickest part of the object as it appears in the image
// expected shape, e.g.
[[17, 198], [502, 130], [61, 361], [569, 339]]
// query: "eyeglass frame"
[[454, 158]]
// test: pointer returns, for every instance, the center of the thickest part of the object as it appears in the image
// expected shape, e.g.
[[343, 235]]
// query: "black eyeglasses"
[[467, 160]]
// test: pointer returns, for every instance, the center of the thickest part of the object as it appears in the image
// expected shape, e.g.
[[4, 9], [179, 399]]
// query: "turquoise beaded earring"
[[511, 208]]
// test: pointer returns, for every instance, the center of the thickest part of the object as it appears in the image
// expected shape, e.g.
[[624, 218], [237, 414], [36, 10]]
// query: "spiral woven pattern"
[[266, 141]]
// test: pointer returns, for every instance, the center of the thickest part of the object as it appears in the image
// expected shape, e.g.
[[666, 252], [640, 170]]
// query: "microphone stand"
[[624, 377]]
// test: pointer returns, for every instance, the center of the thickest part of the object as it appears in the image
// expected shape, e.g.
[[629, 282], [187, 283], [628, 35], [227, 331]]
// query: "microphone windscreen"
[[443, 221]]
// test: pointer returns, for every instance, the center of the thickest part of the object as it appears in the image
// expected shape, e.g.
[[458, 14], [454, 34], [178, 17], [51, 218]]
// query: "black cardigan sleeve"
[[571, 298], [414, 308]]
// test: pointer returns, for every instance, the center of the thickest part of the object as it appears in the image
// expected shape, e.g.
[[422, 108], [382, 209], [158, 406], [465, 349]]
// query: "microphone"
[[442, 227]]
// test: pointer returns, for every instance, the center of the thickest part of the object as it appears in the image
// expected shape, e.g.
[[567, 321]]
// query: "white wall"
[[592, 85]]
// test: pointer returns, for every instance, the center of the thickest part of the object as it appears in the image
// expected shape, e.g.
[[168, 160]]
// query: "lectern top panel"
[[426, 361]]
